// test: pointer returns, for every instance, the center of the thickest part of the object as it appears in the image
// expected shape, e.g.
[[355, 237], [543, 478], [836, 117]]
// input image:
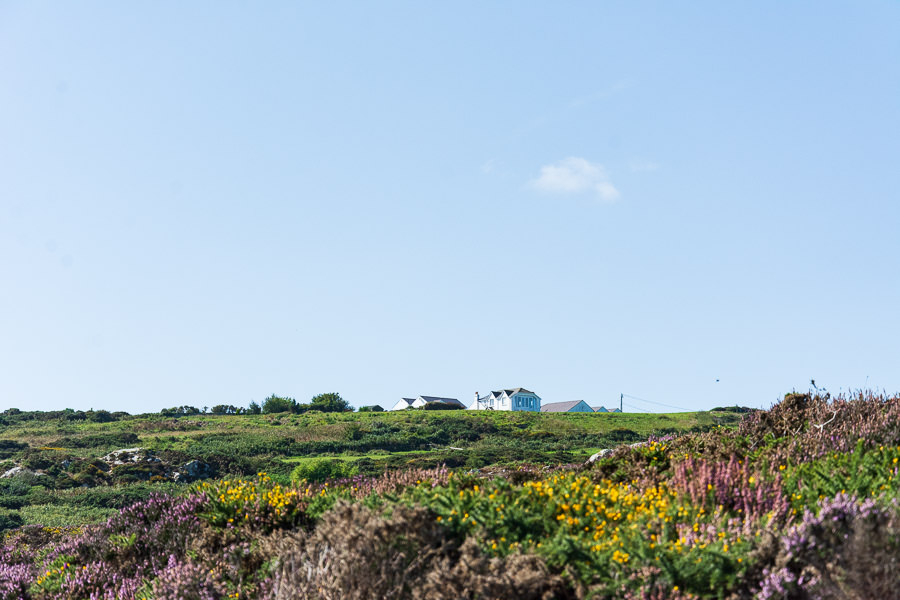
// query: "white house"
[[514, 399], [421, 401], [570, 406]]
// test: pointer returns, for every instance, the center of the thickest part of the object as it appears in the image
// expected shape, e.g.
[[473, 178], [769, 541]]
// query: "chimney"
[[475, 406]]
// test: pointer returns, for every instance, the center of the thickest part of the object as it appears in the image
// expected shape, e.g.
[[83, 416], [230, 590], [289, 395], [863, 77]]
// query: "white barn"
[[512, 399]]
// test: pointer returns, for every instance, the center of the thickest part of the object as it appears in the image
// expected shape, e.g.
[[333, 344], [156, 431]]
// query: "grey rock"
[[193, 470], [130, 456], [599, 455], [21, 472]]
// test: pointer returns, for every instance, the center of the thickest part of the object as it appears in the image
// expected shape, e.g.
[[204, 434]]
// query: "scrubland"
[[799, 501]]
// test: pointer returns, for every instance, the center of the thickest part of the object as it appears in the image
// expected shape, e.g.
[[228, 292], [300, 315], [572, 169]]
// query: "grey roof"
[[560, 406], [442, 400], [599, 409], [511, 391], [518, 391]]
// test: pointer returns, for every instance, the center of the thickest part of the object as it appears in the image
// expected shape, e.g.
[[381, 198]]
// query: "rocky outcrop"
[[192, 471], [599, 455], [21, 472], [127, 456]]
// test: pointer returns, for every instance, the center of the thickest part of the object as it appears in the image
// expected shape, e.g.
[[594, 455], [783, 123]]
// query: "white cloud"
[[575, 175]]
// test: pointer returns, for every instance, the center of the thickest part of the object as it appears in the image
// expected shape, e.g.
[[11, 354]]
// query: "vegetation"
[[800, 501], [67, 477]]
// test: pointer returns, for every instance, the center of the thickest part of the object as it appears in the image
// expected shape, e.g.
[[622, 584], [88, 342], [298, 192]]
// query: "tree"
[[100, 416], [225, 409], [277, 404], [253, 408], [330, 402]]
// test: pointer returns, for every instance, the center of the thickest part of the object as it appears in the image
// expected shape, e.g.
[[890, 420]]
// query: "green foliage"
[[330, 402], [320, 469], [180, 411], [441, 406], [372, 408], [10, 519], [10, 447], [860, 473], [129, 473], [253, 409], [100, 416], [59, 515], [277, 404], [110, 441]]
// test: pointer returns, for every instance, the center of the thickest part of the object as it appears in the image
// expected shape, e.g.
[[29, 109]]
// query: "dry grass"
[[358, 554]]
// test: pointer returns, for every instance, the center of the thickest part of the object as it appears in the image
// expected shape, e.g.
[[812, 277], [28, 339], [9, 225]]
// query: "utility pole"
[[620, 401]]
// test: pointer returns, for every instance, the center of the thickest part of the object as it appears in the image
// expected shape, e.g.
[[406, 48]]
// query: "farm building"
[[421, 401], [571, 406], [512, 399]]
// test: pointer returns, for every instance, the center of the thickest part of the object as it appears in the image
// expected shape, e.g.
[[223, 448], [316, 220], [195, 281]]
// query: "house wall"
[[401, 405], [525, 402], [518, 402], [581, 407]]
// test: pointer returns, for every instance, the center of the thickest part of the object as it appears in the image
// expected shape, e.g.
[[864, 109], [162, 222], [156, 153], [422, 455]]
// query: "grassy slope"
[[373, 442]]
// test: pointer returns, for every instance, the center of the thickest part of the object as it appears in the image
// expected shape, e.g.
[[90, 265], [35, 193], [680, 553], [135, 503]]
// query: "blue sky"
[[206, 203]]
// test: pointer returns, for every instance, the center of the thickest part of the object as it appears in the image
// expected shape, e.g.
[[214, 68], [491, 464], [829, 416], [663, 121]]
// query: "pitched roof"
[[599, 409], [560, 406], [510, 392], [517, 391], [442, 400]]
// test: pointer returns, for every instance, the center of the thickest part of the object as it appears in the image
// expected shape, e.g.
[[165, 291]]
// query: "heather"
[[799, 501]]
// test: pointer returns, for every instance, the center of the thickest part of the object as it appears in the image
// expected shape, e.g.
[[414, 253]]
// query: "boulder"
[[130, 456], [21, 472], [599, 455], [193, 470]]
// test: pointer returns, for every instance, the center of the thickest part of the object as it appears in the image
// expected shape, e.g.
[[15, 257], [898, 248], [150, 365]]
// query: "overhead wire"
[[657, 403]]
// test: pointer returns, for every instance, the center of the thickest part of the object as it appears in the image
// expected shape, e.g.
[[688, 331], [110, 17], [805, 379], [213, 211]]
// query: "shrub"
[[849, 549], [100, 440], [441, 406], [179, 411], [330, 402], [277, 404], [320, 469], [137, 472], [356, 553], [10, 447], [100, 416], [10, 519]]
